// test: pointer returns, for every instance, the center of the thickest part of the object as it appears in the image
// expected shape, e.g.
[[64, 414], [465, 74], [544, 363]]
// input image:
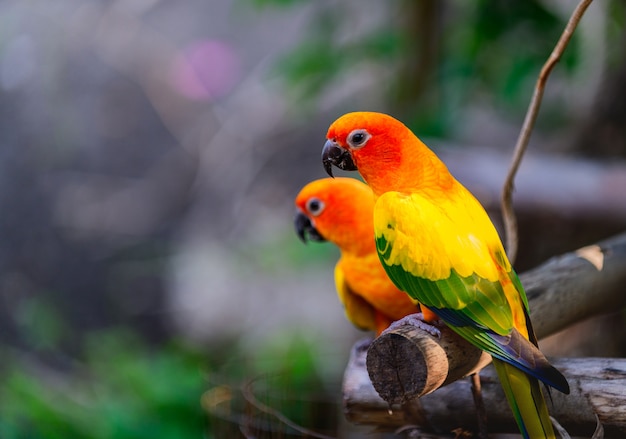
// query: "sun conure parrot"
[[340, 210], [437, 243]]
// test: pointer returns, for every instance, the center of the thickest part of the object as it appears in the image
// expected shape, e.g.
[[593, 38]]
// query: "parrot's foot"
[[416, 320]]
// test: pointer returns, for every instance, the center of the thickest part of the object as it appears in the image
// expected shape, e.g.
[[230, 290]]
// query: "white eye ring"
[[315, 206], [358, 138]]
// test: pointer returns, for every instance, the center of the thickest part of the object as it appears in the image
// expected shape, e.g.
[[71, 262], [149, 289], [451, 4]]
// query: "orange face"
[[384, 151], [365, 141], [337, 210]]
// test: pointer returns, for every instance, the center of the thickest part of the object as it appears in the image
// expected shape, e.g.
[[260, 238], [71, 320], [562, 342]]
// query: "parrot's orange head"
[[365, 141], [338, 210], [384, 151]]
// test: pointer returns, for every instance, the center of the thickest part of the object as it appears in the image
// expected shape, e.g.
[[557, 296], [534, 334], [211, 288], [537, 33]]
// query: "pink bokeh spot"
[[206, 69]]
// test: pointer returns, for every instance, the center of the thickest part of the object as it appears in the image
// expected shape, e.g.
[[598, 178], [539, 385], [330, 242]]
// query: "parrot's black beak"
[[333, 154], [305, 228]]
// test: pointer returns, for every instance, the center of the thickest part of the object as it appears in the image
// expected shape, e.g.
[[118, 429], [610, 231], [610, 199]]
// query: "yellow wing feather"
[[431, 238], [358, 311]]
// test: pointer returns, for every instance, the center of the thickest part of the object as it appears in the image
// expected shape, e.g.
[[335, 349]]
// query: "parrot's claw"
[[416, 320]]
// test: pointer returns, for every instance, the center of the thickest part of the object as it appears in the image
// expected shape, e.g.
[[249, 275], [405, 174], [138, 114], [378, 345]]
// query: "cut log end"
[[408, 362]]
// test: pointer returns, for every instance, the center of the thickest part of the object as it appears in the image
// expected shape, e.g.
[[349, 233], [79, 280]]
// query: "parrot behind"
[[437, 244], [340, 210]]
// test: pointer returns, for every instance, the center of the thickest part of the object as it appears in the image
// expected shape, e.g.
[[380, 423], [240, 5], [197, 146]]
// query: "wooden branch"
[[510, 221], [597, 387], [572, 287], [407, 362]]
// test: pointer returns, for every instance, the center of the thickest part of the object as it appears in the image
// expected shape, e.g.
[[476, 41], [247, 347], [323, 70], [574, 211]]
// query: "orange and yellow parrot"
[[340, 210], [437, 244]]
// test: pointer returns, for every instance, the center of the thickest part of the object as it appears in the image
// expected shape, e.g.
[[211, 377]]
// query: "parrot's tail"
[[526, 401]]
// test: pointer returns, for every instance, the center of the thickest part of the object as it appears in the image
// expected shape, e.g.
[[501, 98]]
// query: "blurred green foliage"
[[120, 389], [616, 14], [443, 55], [318, 61], [119, 386], [485, 47], [282, 375]]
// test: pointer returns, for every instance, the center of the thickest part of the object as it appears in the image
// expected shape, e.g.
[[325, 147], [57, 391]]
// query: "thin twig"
[[559, 428], [599, 431], [246, 422], [510, 222], [248, 394]]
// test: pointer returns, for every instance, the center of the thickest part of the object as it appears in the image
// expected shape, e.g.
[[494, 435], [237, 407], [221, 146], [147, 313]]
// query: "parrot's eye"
[[358, 138], [315, 206]]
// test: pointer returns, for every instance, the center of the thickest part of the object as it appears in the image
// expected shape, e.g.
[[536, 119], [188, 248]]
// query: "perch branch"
[[407, 362], [597, 389], [510, 221]]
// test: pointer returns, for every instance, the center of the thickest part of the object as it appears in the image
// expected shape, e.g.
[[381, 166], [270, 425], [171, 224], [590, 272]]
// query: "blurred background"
[[150, 151]]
